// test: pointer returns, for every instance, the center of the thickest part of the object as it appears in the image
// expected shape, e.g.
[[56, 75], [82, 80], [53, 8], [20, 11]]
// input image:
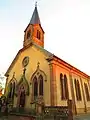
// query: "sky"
[[66, 24]]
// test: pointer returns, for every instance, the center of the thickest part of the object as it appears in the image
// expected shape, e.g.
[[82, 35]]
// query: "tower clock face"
[[25, 61]]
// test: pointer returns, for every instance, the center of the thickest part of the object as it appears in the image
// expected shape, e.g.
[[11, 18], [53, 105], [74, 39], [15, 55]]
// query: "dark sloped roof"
[[35, 17]]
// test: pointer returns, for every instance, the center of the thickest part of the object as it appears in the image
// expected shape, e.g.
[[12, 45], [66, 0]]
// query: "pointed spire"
[[35, 17]]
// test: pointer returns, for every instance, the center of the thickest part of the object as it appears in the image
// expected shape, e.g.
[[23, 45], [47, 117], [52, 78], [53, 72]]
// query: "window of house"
[[13, 91], [28, 34], [40, 85], [86, 92], [77, 88], [79, 91], [64, 87], [75, 82], [38, 34], [10, 92], [35, 87], [61, 81]]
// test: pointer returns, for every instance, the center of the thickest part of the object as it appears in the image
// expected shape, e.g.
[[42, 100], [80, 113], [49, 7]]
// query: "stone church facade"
[[37, 79]]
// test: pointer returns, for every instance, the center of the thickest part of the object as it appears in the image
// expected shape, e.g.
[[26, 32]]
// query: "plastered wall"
[[35, 56]]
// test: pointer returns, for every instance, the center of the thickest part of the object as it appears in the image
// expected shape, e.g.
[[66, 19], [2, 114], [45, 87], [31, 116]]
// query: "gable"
[[36, 55], [26, 52]]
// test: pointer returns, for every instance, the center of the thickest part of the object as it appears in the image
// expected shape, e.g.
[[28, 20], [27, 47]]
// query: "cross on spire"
[[36, 4], [35, 17]]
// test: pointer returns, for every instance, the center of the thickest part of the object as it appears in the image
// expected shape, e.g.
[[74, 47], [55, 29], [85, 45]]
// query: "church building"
[[37, 79]]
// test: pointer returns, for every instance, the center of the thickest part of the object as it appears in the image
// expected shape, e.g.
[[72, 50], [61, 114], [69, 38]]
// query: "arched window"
[[61, 81], [77, 88], [10, 92], [79, 92], [28, 35], [38, 78], [75, 82], [13, 91], [65, 87], [40, 85], [87, 92], [35, 87], [38, 34]]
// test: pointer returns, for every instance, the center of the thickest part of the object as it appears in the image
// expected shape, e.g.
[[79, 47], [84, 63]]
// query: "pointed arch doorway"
[[22, 97]]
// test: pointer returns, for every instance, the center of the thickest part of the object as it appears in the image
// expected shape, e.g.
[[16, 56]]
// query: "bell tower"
[[34, 32]]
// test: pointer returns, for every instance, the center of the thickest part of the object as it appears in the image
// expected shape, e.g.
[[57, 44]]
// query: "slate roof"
[[35, 17]]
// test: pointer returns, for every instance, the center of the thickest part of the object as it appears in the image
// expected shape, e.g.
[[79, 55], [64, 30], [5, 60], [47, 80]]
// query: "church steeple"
[[34, 32], [35, 17]]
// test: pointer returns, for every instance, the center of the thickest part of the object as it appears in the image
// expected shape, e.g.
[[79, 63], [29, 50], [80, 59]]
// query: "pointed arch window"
[[10, 92], [86, 92], [79, 91], [13, 90], [40, 85], [37, 80], [35, 87], [28, 34], [61, 80], [64, 87], [75, 82], [77, 88]]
